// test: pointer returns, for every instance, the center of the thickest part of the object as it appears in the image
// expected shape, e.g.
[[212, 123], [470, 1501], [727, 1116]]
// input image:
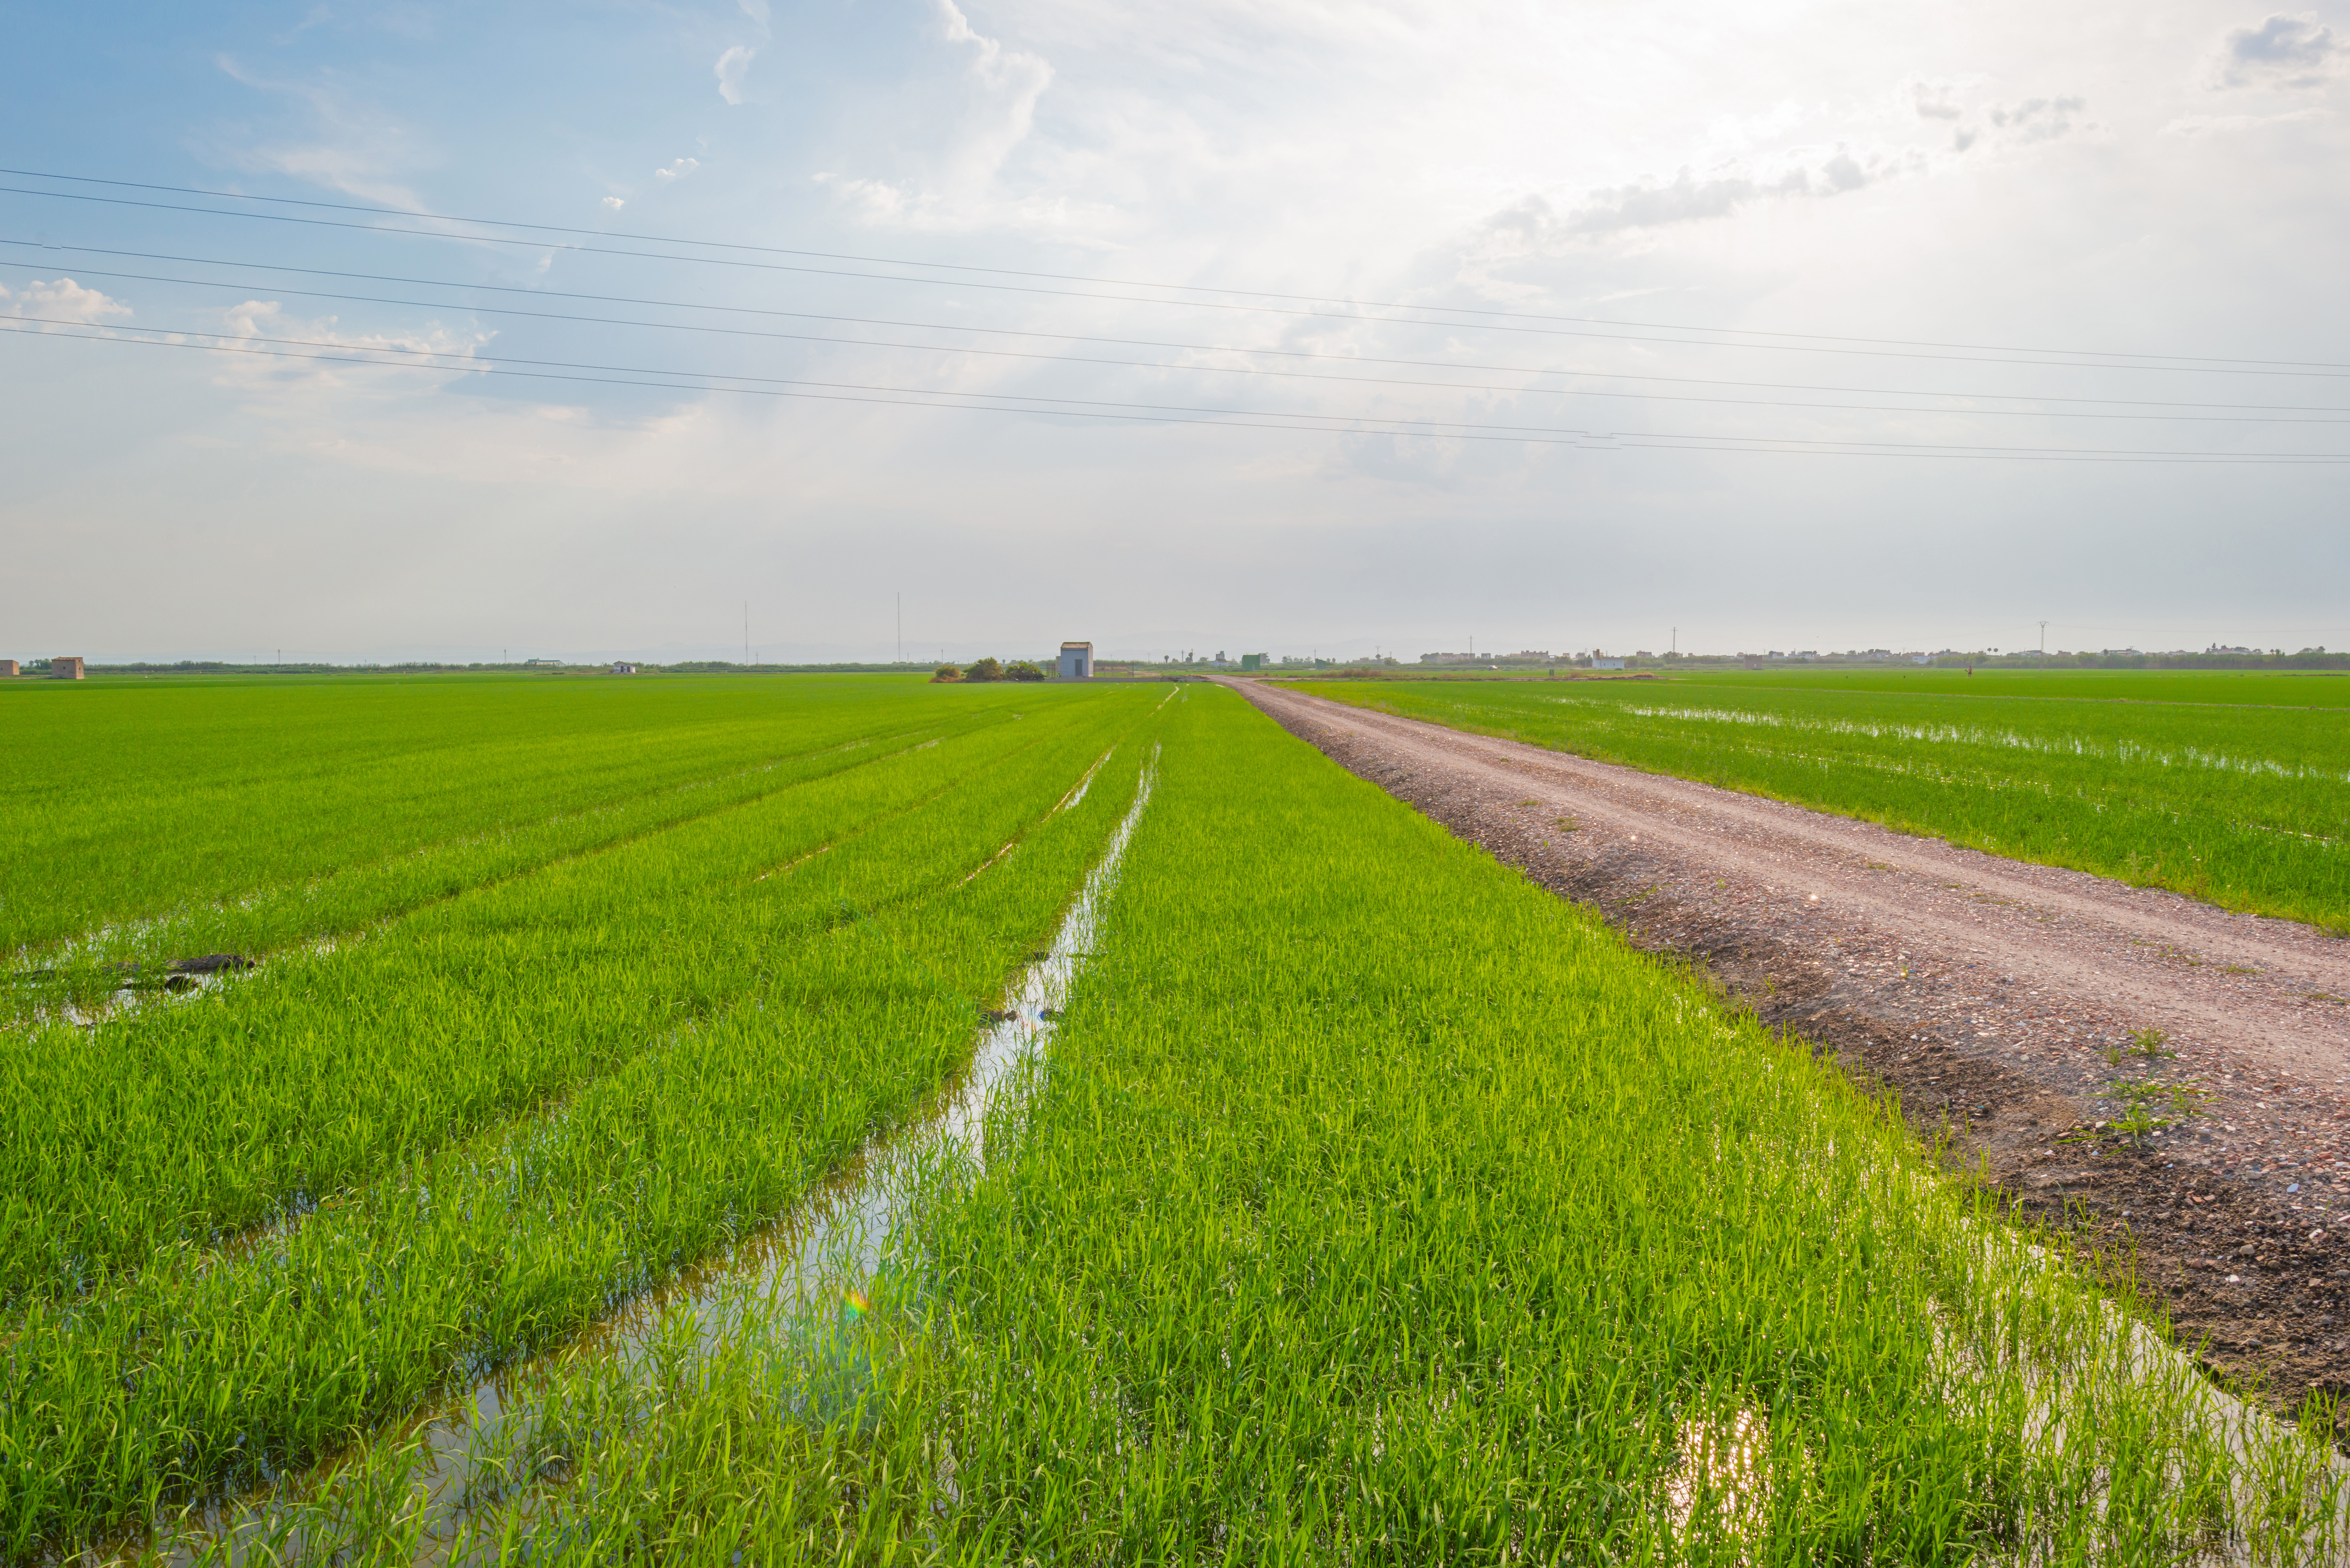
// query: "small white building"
[[1077, 661], [622, 667], [1598, 663]]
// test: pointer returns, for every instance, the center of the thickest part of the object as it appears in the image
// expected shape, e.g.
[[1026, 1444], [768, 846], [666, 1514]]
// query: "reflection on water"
[[1719, 1488]]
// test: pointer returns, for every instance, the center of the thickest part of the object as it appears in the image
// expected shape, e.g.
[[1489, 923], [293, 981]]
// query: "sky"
[[953, 328]]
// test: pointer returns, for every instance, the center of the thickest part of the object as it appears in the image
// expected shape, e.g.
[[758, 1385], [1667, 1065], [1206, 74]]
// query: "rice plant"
[[1372, 1205]]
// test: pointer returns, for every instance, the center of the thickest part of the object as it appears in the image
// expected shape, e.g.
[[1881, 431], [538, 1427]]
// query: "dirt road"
[[1994, 995]]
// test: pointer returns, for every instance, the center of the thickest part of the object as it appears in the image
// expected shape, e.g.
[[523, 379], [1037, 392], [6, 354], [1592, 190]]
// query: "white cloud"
[[677, 170], [973, 127], [259, 319], [354, 150], [615, 203], [1535, 222], [1003, 110], [1931, 100], [754, 9], [2283, 51], [63, 300], [877, 201], [2038, 119], [732, 68]]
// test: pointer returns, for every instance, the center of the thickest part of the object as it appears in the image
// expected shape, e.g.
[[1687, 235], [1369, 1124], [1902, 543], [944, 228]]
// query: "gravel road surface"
[[2005, 1002]]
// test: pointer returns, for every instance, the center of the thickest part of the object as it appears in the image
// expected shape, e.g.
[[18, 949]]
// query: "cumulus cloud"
[[679, 168], [1009, 81], [2283, 51], [971, 124], [756, 10], [1932, 99], [732, 68], [877, 201], [1690, 198], [615, 203], [267, 319], [259, 319], [2038, 119], [62, 300]]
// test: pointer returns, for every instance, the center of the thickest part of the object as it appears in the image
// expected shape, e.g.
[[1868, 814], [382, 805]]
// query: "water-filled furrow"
[[824, 1247]]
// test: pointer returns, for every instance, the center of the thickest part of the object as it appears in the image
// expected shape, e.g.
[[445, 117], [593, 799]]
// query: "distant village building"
[[1077, 661], [9, 666], [1599, 663], [622, 667], [64, 670], [1252, 661]]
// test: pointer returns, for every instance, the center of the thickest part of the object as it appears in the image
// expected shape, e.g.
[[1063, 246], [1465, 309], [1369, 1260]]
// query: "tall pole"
[[747, 634], [902, 628], [2043, 645]]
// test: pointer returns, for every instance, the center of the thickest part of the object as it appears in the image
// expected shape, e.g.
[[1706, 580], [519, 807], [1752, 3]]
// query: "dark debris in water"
[[174, 973]]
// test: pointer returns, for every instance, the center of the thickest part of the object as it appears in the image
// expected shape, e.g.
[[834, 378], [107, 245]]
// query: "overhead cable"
[[1358, 305], [2233, 409], [2141, 362], [1094, 408]]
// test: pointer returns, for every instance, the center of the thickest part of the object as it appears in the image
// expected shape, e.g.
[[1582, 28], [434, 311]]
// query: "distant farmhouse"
[[1077, 661], [9, 666], [622, 667], [64, 670]]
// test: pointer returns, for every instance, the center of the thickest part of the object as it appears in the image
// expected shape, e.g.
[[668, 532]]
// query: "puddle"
[[1721, 1483], [133, 987], [820, 1255]]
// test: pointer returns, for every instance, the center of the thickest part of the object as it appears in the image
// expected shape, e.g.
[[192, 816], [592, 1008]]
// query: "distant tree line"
[[983, 669]]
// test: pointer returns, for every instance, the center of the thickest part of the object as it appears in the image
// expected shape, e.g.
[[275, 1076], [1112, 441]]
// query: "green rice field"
[[2231, 788], [1361, 1201]]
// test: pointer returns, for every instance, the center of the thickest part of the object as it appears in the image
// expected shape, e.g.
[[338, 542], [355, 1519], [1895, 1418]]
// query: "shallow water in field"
[[819, 1253]]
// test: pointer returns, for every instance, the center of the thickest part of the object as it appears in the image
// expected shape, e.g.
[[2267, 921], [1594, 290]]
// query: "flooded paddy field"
[[1083, 1124], [2234, 789]]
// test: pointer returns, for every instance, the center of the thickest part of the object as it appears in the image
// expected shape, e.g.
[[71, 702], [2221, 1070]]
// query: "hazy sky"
[[1787, 324]]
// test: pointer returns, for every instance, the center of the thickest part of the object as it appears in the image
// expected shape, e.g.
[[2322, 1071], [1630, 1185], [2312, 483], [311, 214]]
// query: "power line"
[[1113, 282], [2195, 366], [1069, 336], [1089, 408], [2339, 415]]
